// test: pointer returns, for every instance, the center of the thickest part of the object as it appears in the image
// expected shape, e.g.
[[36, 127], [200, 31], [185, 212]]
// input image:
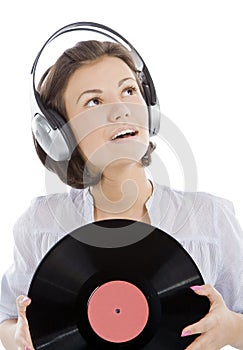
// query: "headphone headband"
[[92, 27]]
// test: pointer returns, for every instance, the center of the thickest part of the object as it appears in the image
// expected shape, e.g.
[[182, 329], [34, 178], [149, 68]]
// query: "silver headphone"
[[51, 130]]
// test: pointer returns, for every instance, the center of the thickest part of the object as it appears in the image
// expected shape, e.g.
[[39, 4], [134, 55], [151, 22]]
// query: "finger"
[[23, 340], [22, 302], [205, 323], [211, 293], [202, 342], [202, 326]]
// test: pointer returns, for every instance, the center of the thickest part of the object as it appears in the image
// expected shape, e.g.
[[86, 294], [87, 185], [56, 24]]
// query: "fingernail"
[[23, 301], [196, 288], [27, 348], [186, 333]]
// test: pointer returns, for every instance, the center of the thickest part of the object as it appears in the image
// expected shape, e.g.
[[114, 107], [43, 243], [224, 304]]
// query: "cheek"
[[141, 119], [89, 144], [88, 125], [139, 113]]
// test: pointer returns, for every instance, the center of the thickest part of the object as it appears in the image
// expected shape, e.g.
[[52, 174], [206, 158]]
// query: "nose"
[[119, 111]]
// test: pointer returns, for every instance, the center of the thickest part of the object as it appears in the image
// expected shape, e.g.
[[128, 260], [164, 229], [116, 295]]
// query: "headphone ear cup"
[[55, 141], [151, 101], [154, 119]]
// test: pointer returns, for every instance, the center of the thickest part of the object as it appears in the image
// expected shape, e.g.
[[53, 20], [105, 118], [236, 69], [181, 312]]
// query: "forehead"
[[100, 70]]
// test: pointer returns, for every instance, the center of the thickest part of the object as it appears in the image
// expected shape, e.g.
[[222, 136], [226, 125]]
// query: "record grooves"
[[115, 284]]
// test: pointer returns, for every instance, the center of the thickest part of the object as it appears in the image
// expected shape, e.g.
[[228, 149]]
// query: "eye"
[[95, 101], [131, 90]]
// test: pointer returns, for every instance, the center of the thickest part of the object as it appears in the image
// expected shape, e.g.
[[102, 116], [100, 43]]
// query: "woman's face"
[[107, 113]]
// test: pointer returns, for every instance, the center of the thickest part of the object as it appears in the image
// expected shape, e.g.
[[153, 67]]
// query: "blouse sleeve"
[[230, 276], [17, 278], [217, 248]]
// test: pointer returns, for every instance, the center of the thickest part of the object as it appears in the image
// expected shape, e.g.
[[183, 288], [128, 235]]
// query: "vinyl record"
[[115, 284]]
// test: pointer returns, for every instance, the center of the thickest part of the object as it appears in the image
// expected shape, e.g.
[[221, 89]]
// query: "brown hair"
[[52, 87]]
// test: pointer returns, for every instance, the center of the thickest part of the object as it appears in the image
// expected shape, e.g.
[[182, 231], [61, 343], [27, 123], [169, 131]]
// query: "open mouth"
[[124, 134]]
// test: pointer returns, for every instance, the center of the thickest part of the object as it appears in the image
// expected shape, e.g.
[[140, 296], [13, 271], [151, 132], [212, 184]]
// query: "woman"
[[96, 88]]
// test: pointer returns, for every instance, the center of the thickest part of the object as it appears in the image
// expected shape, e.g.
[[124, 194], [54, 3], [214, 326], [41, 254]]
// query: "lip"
[[135, 130]]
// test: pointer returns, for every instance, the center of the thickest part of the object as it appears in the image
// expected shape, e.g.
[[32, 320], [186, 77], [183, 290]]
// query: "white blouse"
[[204, 224]]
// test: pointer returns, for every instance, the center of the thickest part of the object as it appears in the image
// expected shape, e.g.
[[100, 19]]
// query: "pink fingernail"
[[23, 301], [196, 288], [26, 348], [186, 333]]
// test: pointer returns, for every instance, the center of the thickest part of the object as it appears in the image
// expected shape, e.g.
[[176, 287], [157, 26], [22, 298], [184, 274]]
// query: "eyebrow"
[[98, 91], [91, 91], [125, 79]]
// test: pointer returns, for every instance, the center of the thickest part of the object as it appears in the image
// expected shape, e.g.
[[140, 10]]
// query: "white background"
[[194, 53]]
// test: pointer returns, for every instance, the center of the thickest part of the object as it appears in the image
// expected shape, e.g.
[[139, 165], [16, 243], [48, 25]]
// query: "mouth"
[[124, 134]]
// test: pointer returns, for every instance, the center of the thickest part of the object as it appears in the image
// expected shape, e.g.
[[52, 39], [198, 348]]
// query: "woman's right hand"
[[22, 333]]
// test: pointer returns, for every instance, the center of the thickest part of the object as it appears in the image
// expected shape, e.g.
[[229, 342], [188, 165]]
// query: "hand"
[[217, 328], [22, 333]]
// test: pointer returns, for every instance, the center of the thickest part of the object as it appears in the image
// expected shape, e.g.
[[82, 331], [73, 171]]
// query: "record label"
[[118, 311]]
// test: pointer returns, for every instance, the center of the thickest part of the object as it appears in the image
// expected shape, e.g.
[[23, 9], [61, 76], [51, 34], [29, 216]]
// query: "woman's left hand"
[[218, 328]]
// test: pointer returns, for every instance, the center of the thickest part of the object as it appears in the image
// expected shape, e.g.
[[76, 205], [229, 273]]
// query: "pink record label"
[[118, 311]]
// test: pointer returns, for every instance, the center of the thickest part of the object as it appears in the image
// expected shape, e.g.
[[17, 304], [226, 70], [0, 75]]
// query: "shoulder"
[[56, 212], [185, 212], [197, 200]]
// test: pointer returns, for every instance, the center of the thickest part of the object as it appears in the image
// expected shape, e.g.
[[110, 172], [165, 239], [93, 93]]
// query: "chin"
[[121, 155], [117, 164]]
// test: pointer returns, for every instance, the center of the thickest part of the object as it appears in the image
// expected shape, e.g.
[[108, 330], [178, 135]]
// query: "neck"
[[122, 193]]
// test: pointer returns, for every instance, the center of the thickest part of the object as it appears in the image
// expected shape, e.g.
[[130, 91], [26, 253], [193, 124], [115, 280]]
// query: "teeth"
[[124, 132]]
